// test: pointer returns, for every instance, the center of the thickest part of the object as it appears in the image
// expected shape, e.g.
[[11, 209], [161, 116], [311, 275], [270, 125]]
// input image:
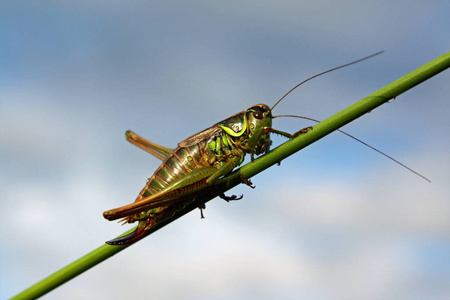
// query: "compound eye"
[[258, 114]]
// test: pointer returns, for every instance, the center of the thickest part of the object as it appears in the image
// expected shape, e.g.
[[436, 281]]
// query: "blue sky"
[[335, 221]]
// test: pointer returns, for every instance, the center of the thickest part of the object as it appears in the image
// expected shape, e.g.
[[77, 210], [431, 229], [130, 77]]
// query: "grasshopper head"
[[259, 117]]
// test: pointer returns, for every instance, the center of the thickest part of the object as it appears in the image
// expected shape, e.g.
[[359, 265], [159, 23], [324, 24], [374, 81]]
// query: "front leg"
[[286, 134]]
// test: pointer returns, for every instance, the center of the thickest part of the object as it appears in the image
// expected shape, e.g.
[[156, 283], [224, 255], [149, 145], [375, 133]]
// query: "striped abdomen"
[[178, 164]]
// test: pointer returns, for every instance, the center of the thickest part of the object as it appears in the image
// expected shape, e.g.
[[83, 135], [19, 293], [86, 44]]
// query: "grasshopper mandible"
[[198, 163]]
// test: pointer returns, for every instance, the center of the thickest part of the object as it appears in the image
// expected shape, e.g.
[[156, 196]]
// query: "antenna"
[[328, 71], [364, 143]]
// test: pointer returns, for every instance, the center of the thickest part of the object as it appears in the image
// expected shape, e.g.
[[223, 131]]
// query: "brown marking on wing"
[[200, 136]]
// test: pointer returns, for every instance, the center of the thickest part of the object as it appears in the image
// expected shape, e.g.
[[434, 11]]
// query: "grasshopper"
[[198, 163]]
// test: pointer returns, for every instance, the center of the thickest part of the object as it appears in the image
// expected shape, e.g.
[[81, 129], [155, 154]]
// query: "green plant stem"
[[249, 170]]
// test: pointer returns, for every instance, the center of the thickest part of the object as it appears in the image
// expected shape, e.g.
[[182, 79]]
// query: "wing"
[[200, 136]]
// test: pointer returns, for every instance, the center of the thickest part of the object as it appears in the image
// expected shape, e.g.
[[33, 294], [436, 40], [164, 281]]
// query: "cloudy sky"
[[335, 221]]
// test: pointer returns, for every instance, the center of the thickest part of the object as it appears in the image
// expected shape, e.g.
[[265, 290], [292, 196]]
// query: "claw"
[[230, 198], [301, 131], [247, 181]]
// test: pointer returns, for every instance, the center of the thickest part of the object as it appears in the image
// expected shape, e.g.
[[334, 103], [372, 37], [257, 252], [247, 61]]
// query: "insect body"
[[192, 169], [198, 162]]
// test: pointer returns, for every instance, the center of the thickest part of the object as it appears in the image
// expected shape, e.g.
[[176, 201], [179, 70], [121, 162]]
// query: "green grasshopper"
[[197, 164]]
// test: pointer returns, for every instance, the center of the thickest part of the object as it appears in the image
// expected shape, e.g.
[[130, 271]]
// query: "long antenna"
[[364, 143], [328, 71]]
